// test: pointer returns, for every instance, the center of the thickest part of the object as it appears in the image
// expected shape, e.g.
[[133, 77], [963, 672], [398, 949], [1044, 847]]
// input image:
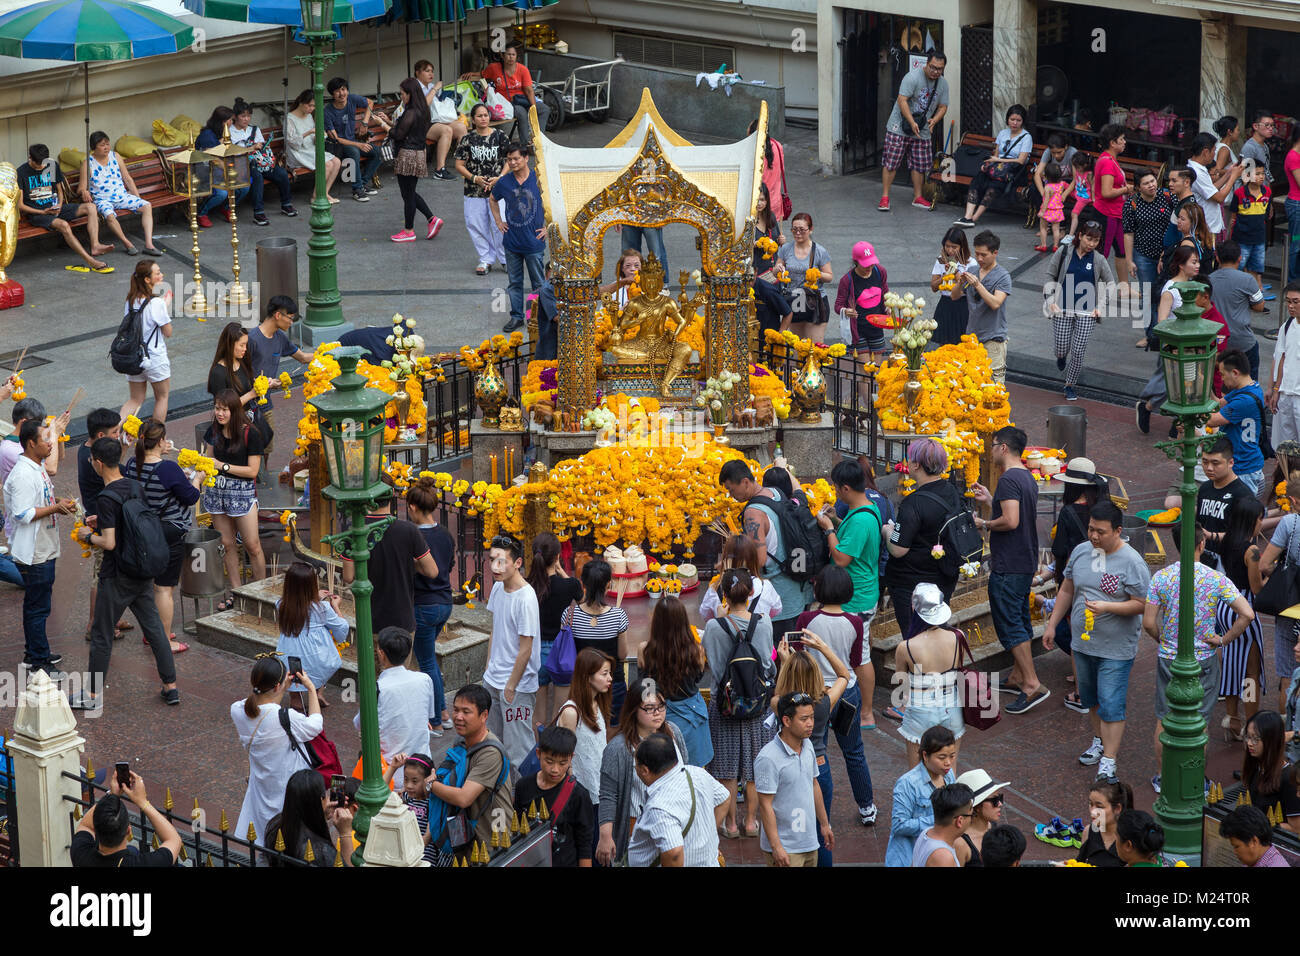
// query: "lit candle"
[[494, 468]]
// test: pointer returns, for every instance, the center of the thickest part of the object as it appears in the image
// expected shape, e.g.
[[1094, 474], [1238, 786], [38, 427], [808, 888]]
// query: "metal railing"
[[199, 845]]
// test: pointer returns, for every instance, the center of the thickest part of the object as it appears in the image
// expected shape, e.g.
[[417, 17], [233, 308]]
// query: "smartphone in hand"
[[123, 768], [295, 665], [794, 640]]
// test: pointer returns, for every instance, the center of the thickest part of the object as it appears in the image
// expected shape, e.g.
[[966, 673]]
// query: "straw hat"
[[981, 785], [1079, 471]]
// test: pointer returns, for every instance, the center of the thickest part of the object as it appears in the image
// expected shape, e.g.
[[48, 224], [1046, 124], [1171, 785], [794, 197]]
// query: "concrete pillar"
[[45, 743], [1015, 56], [394, 838], [1223, 70]]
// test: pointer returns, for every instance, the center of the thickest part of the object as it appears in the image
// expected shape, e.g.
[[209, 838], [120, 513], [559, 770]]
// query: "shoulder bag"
[[978, 695], [1282, 589], [261, 159], [559, 662], [320, 753]]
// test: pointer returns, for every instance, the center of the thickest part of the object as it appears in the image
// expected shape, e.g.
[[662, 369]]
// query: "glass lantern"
[[191, 173], [352, 428], [317, 16], [1187, 355], [232, 165]]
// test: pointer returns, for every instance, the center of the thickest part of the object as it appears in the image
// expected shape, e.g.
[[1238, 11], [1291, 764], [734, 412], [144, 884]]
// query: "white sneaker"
[[1092, 755], [867, 815]]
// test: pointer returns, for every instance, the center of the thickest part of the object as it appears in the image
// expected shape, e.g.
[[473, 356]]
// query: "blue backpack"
[[448, 825]]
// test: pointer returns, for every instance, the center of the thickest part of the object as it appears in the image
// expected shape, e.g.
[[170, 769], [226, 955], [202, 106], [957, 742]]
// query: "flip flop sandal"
[[729, 834], [131, 251], [893, 713], [866, 726], [752, 834], [181, 647], [104, 270], [77, 268]]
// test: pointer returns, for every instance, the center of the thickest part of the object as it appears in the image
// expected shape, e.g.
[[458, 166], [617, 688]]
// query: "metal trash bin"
[[1067, 427], [277, 270], [204, 571]]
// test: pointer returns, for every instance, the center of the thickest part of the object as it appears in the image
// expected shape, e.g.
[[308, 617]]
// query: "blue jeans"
[[1253, 480], [548, 337], [9, 571], [217, 199], [38, 580], [1147, 270], [1293, 231], [429, 619], [855, 760], [257, 185], [368, 165], [515, 263], [828, 789], [654, 241], [1009, 607], [1103, 684]]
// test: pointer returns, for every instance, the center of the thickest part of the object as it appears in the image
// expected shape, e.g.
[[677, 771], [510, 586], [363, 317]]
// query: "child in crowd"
[[568, 802], [1252, 201], [1081, 167], [414, 793], [1053, 207]]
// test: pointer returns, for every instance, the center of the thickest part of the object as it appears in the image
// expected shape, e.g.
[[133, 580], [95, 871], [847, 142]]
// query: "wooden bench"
[[1133, 169], [151, 182]]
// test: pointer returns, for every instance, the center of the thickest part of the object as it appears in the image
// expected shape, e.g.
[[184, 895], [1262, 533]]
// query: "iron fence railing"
[[200, 845]]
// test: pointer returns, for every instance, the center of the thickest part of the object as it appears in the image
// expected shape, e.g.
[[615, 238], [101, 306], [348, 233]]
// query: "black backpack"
[[962, 543], [141, 549], [806, 550], [127, 352], [746, 687]]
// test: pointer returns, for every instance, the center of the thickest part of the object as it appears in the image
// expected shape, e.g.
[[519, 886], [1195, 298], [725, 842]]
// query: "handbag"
[[1004, 172], [559, 662], [787, 207], [843, 717], [978, 695], [261, 159], [1282, 589]]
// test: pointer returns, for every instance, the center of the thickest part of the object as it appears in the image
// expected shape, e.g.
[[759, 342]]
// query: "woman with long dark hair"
[[310, 624], [929, 659], [1242, 660], [433, 597], [170, 495], [1139, 839], [736, 741], [556, 591], [998, 174], [211, 135], [676, 662], [144, 297], [586, 712], [771, 308], [599, 625], [773, 172], [410, 162], [622, 793], [1227, 129], [300, 141], [952, 309], [271, 761], [1265, 771], [306, 819], [228, 369], [232, 501]]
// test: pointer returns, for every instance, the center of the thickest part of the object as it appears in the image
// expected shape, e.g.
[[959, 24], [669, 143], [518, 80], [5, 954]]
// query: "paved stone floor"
[[192, 748]]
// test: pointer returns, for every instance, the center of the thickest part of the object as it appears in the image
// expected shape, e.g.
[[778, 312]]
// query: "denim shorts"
[[917, 720], [1252, 258], [543, 675], [1009, 607], [1284, 640], [1103, 684]]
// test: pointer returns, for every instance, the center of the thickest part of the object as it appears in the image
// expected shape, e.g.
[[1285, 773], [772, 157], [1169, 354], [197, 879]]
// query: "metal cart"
[[585, 92]]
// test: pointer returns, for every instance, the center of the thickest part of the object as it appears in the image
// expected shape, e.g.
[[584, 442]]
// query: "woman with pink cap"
[[862, 293]]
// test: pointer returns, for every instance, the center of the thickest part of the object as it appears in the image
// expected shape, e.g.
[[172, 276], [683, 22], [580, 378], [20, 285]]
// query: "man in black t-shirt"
[[1013, 551], [569, 805], [42, 183], [393, 562], [1215, 497], [118, 591], [103, 838]]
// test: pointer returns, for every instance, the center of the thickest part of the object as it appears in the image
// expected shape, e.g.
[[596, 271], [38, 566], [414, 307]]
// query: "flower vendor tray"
[[882, 320], [641, 592], [1044, 461]]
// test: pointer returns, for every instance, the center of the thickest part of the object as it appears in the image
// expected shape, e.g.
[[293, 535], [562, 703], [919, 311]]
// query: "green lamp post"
[[1187, 357], [352, 431], [324, 303]]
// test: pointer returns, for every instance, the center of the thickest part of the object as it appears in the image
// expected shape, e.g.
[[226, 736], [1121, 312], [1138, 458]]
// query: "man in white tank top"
[[953, 808]]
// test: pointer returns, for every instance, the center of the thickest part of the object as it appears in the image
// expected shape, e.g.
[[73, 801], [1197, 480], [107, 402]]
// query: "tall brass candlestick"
[[238, 294], [198, 304]]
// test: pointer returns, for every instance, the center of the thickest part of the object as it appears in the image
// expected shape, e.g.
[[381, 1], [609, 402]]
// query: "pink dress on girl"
[[1053, 209]]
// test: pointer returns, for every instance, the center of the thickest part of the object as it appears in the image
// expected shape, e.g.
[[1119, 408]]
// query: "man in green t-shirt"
[[855, 545]]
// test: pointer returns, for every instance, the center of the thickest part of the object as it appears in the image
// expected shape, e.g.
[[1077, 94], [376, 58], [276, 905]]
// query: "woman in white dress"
[[271, 758], [156, 329], [585, 712], [299, 140]]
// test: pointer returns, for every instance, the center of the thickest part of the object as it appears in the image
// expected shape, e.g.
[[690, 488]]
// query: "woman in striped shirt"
[[600, 625], [170, 495]]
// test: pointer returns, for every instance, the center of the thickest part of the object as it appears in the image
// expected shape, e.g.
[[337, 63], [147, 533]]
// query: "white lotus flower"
[[715, 405], [410, 323], [920, 303], [389, 340]]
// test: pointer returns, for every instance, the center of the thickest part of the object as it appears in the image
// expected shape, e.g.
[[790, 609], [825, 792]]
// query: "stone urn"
[[490, 392]]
